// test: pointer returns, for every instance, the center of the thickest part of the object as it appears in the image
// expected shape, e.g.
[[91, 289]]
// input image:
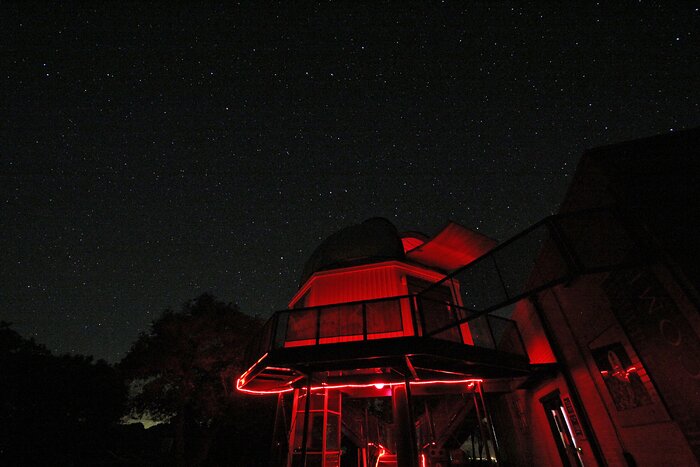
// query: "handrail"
[[553, 236], [355, 302], [542, 256], [273, 337]]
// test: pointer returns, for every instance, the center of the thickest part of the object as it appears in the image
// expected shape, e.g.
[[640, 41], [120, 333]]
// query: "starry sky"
[[152, 153]]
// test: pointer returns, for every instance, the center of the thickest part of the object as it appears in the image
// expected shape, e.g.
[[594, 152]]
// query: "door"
[[561, 430]]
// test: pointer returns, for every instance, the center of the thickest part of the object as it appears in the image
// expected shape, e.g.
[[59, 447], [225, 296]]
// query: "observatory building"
[[372, 334], [574, 343]]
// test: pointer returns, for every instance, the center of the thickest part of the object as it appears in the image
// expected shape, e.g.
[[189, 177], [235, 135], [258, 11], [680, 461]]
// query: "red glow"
[[364, 282], [247, 372], [469, 382], [262, 393], [379, 457], [300, 343], [241, 380], [423, 462], [410, 243], [382, 452], [537, 345], [453, 247], [620, 373]]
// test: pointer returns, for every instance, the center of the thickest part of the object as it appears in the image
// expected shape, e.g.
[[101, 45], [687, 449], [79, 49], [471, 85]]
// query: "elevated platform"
[[337, 347]]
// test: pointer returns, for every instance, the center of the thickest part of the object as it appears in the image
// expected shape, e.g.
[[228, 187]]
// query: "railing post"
[[573, 264], [421, 316], [318, 325], [413, 304], [455, 317], [364, 321], [500, 277], [488, 324]]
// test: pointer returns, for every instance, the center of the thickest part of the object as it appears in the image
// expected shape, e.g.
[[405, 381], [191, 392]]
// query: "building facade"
[[574, 343]]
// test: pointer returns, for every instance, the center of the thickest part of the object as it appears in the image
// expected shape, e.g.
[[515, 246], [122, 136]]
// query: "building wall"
[[385, 319], [648, 313], [627, 414], [523, 431], [365, 282], [627, 339], [538, 437], [538, 349]]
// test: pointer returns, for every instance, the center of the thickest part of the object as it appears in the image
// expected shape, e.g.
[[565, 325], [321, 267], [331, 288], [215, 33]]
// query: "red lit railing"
[[554, 251], [386, 318]]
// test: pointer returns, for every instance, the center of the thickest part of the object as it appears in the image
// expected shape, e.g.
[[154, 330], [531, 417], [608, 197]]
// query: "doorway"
[[561, 430]]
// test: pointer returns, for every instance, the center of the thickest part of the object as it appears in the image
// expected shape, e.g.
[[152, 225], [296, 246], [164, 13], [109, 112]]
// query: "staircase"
[[388, 460]]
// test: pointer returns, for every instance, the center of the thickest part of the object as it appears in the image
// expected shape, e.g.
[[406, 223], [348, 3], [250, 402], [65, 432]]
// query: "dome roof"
[[373, 240]]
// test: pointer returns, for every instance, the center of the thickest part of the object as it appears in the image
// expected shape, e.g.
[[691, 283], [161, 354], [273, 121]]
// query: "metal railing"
[[385, 318], [554, 251]]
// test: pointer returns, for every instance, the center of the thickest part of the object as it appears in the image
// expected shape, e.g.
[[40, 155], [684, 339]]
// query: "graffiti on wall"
[[620, 376]]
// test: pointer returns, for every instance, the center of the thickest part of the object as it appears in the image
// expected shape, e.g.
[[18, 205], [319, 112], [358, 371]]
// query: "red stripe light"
[[469, 382]]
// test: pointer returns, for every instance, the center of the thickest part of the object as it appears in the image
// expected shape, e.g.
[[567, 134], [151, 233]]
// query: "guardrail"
[[385, 318], [554, 251]]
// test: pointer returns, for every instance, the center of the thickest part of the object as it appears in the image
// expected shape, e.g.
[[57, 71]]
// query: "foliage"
[[182, 372], [54, 410]]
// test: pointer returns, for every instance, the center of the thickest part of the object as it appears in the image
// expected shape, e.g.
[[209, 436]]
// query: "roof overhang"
[[452, 248]]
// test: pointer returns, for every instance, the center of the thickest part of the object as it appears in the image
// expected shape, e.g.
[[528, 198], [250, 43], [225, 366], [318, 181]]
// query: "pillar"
[[406, 452]]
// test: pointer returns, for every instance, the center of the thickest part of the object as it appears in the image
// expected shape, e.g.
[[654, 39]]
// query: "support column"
[[279, 433], [489, 423], [482, 432], [305, 434], [405, 428]]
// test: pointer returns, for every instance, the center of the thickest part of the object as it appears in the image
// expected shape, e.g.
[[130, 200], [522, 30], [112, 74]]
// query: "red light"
[[266, 393], [620, 373], [410, 243], [470, 381], [241, 380], [382, 452], [362, 282], [423, 462], [470, 384]]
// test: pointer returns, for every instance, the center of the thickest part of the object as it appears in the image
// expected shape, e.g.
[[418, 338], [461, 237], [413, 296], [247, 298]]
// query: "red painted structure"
[[401, 341], [369, 325]]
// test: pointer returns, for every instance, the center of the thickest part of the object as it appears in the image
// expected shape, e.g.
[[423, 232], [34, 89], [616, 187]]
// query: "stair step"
[[388, 460]]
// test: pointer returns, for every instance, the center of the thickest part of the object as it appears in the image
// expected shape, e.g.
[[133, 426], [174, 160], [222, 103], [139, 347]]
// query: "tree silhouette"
[[55, 410], [182, 371]]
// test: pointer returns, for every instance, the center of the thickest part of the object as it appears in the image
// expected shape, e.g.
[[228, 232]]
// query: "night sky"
[[149, 154]]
